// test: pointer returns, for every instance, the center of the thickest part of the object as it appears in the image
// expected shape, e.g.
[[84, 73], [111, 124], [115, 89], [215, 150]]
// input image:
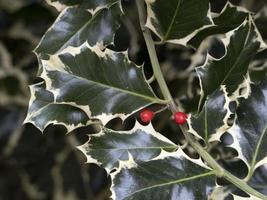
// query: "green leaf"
[[177, 21], [235, 197], [218, 113], [167, 177], [89, 4], [107, 83], [241, 45], [109, 147], [43, 111], [260, 21], [230, 18], [259, 179], [212, 121], [230, 192], [220, 193], [13, 82], [249, 131], [76, 25], [258, 67]]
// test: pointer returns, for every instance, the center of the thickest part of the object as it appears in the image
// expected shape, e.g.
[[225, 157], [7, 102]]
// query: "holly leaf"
[[109, 147], [260, 21], [213, 120], [236, 197], [258, 67], [43, 111], [13, 82], [172, 176], [177, 21], [93, 5], [241, 45], [259, 179], [76, 25], [218, 113], [230, 18], [106, 82], [249, 131], [230, 192]]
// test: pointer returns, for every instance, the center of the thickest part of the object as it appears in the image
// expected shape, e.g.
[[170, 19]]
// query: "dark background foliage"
[[48, 166]]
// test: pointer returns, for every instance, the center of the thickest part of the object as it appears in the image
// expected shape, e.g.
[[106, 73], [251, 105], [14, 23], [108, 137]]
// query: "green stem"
[[156, 67], [220, 172], [152, 54]]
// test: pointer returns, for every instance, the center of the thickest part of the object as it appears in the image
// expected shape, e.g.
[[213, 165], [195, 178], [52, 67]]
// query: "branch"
[[220, 172], [152, 54]]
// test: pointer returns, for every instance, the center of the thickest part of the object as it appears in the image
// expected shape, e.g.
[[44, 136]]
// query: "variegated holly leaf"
[[177, 21], [241, 45], [109, 147], [89, 4], [249, 131], [107, 83], [230, 192], [43, 110], [258, 67], [13, 82], [259, 179], [260, 21], [230, 18], [218, 113], [76, 25], [212, 121], [236, 197], [169, 176]]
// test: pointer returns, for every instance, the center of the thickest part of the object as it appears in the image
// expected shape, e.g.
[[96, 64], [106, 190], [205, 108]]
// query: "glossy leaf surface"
[[177, 21], [242, 45], [107, 83], [211, 122], [43, 110], [76, 25], [109, 147], [249, 131], [89, 4], [171, 177], [229, 19]]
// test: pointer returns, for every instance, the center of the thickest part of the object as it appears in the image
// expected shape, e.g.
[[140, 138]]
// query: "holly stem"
[[152, 54], [220, 171], [162, 109]]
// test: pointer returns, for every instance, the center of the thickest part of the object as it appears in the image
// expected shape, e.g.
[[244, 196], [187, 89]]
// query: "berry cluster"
[[147, 115]]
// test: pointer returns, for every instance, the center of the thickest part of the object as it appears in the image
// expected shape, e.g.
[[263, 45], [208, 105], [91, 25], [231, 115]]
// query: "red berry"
[[180, 118], [146, 115]]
